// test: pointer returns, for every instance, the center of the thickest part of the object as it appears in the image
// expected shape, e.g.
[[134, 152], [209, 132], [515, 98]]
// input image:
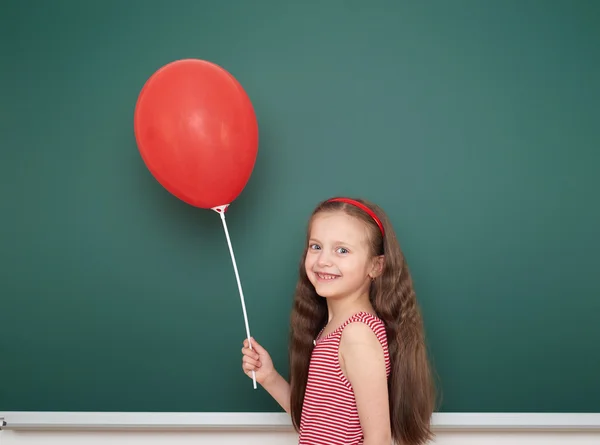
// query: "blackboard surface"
[[474, 124]]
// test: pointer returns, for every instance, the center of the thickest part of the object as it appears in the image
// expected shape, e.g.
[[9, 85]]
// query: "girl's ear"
[[377, 269]]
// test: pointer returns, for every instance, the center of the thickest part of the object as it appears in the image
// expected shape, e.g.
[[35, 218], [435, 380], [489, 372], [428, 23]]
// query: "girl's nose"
[[324, 259]]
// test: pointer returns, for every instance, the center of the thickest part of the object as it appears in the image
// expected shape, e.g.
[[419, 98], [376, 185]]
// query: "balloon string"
[[237, 276]]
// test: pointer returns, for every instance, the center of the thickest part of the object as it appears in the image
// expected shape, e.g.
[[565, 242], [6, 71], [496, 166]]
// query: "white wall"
[[103, 428], [9, 437]]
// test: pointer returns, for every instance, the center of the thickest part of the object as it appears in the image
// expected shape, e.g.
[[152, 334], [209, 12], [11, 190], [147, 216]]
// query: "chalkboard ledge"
[[52, 420]]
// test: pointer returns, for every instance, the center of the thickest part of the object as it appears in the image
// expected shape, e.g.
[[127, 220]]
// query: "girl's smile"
[[326, 276]]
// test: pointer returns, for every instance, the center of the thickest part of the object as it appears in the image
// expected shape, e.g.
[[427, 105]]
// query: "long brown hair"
[[410, 385]]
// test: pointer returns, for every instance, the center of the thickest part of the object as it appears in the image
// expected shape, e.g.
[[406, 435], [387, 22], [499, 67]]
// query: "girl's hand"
[[258, 360]]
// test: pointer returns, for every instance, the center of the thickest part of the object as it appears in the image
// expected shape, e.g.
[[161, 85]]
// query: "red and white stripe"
[[329, 414]]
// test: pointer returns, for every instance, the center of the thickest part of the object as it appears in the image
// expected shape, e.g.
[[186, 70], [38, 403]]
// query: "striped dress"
[[329, 414]]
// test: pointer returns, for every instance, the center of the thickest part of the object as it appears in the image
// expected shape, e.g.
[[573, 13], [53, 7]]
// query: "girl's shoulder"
[[373, 325], [368, 318], [372, 321], [365, 335]]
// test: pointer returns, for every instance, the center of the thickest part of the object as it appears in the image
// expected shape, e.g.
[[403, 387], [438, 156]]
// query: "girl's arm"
[[363, 363], [258, 360], [279, 389]]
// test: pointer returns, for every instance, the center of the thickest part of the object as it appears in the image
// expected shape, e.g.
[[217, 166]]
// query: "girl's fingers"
[[249, 368], [250, 353], [255, 345], [249, 361]]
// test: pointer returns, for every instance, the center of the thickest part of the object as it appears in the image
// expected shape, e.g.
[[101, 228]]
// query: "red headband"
[[363, 207]]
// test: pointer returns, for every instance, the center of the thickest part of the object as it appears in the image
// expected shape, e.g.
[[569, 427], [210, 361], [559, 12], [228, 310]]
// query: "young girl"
[[359, 372]]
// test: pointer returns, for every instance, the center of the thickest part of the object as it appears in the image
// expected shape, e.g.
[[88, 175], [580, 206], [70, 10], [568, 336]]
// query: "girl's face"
[[338, 261]]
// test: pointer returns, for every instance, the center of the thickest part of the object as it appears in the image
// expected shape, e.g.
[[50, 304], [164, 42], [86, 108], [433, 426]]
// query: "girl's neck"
[[340, 310]]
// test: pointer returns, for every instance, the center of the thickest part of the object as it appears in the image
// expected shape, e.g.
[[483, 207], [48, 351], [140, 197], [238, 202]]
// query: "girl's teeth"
[[327, 277]]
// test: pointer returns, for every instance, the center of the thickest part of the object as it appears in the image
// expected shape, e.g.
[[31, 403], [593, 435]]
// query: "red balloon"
[[197, 132]]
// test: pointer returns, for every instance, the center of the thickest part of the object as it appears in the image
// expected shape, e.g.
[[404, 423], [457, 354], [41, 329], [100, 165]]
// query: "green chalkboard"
[[474, 124]]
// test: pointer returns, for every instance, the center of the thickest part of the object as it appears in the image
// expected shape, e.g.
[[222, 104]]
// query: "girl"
[[359, 372]]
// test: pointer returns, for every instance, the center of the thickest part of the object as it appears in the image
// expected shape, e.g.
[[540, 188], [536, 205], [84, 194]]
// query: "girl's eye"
[[314, 246], [342, 250]]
